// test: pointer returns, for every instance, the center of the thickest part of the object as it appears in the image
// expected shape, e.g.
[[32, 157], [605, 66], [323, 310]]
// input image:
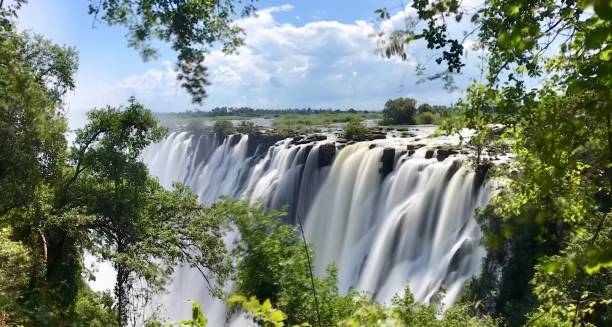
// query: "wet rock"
[[414, 146], [318, 137], [327, 152], [429, 154], [410, 153], [260, 142], [234, 139], [297, 139], [497, 130], [372, 146], [442, 154], [387, 159]]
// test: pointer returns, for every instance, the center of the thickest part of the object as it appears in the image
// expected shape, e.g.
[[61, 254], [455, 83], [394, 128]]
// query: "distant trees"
[[425, 107], [399, 111]]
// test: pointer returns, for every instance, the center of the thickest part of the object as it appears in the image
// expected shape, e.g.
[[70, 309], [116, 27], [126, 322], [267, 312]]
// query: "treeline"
[[251, 112]]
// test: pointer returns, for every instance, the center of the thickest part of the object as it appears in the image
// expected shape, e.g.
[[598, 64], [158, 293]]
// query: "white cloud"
[[319, 64]]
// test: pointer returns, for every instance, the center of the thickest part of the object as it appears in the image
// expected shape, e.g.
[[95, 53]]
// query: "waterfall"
[[389, 212]]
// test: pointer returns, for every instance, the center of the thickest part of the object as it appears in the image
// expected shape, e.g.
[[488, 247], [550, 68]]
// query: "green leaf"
[[266, 306]]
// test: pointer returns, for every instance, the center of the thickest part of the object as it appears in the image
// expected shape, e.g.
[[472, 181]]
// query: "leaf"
[[277, 316], [236, 299], [266, 306]]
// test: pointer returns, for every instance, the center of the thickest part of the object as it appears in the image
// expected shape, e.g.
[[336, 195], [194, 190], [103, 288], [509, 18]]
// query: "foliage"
[[271, 263], [32, 143], [94, 309], [16, 263], [404, 311], [426, 117], [197, 317], [191, 26], [399, 111], [142, 229], [262, 313], [354, 129], [223, 128], [52, 65], [247, 127]]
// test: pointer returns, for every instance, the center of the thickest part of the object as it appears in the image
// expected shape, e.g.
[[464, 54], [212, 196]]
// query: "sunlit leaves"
[[262, 313]]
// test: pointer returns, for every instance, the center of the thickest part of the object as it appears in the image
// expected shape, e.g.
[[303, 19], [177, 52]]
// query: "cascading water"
[[389, 212]]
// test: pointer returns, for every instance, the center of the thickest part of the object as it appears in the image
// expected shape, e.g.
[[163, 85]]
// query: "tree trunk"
[[121, 293]]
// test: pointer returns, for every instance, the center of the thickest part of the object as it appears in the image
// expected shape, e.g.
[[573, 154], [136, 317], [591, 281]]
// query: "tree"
[[191, 26], [32, 144], [399, 111], [425, 107], [142, 229], [223, 128], [271, 263]]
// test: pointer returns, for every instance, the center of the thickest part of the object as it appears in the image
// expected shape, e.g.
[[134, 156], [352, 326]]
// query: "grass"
[[300, 123], [317, 120]]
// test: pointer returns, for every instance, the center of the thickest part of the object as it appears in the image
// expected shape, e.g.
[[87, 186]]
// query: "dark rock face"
[[327, 152], [429, 154], [442, 154], [374, 135], [308, 139], [234, 139], [259, 143], [372, 146], [414, 146], [387, 159]]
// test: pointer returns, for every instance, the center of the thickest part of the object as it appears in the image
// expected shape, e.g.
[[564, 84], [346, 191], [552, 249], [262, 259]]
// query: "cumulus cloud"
[[319, 64]]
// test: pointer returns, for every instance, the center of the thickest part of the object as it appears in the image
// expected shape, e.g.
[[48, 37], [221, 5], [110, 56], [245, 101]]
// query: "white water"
[[413, 226]]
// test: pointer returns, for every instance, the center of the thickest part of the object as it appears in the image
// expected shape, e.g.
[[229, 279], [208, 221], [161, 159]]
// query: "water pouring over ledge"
[[387, 212]]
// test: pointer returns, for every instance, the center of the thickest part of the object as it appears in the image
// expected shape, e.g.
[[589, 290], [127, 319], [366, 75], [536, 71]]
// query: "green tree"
[[399, 111], [271, 263], [142, 229], [425, 107], [223, 128], [354, 129], [32, 145]]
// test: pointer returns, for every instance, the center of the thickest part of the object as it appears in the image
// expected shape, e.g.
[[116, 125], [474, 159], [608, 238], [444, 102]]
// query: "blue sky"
[[312, 53]]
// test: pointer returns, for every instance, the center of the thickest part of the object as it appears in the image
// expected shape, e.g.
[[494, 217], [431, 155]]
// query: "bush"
[[223, 128], [354, 129], [427, 117], [247, 127], [399, 111]]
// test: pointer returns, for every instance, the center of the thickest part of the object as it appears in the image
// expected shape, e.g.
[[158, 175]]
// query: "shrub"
[[354, 129], [247, 127], [427, 117], [223, 128]]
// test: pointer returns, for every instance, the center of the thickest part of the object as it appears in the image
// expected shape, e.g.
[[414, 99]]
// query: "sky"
[[298, 54]]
